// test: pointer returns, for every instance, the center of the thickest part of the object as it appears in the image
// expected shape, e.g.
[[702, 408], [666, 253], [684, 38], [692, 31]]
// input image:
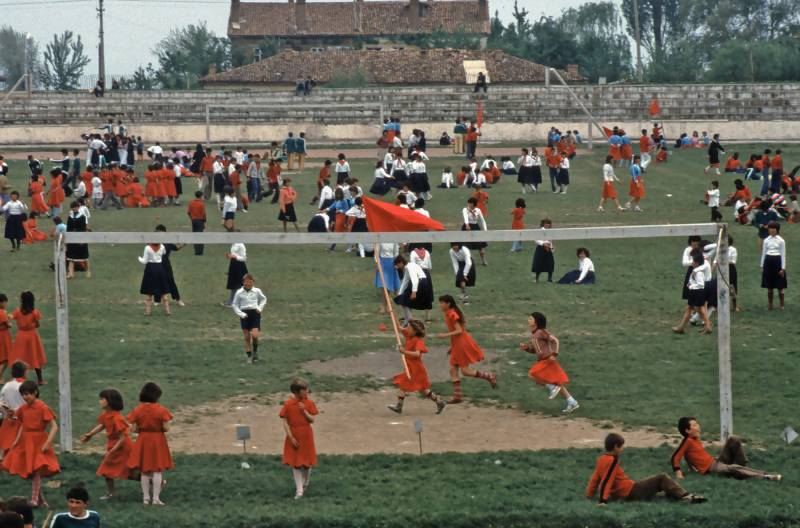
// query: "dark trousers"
[[553, 177], [716, 216], [198, 226], [479, 87], [274, 191], [731, 462], [648, 488], [472, 148]]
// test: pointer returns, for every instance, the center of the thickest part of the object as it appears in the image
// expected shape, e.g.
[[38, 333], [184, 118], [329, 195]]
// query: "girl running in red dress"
[[547, 371], [118, 444], [150, 453], [31, 455], [27, 345], [417, 378], [464, 351], [299, 452]]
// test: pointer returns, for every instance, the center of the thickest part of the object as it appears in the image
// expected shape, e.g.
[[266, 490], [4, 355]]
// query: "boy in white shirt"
[[448, 181], [713, 201], [247, 304]]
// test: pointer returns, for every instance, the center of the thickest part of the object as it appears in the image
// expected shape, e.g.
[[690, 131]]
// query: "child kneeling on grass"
[[610, 481], [731, 462]]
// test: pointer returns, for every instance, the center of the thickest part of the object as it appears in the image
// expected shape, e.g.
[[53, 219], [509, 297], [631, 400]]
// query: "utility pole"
[[27, 74], [101, 61], [639, 69]]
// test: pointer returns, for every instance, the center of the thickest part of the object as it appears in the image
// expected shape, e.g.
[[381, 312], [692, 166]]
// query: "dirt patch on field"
[[384, 365], [351, 423]]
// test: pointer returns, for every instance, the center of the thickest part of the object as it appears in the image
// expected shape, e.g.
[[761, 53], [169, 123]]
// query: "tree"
[[143, 78], [64, 61], [267, 47], [186, 54], [12, 54]]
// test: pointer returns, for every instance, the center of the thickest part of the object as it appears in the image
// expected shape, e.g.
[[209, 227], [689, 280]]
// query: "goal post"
[[272, 238], [285, 107]]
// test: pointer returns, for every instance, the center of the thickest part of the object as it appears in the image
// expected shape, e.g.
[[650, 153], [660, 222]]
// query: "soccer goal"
[[234, 111], [720, 231]]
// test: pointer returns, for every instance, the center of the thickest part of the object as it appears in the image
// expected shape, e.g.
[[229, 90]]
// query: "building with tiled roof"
[[387, 67], [359, 24]]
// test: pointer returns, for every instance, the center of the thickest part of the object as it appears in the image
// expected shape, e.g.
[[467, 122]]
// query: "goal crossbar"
[[577, 233]]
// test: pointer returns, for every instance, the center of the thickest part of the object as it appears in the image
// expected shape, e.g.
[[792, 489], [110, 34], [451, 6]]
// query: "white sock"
[[146, 480], [523, 190], [550, 387], [571, 401], [158, 480], [711, 310], [407, 313], [297, 473], [306, 476], [695, 317]]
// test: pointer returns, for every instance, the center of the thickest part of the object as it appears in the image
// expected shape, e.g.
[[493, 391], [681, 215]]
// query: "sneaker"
[[441, 404], [600, 210], [554, 392], [181, 303], [249, 360], [571, 407], [773, 478], [298, 495], [107, 496], [638, 209], [395, 408]]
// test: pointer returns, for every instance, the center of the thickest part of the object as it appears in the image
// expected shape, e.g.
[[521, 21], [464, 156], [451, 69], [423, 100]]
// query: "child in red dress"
[[10, 401], [5, 334], [36, 192], [27, 345], [32, 233], [31, 454], [299, 452], [464, 351], [547, 371], [118, 444], [150, 453], [417, 378]]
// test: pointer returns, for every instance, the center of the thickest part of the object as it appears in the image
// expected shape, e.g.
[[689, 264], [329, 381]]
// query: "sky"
[[133, 27]]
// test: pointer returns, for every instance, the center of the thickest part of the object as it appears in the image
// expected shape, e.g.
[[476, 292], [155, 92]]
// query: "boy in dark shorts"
[[731, 462], [248, 302], [611, 482]]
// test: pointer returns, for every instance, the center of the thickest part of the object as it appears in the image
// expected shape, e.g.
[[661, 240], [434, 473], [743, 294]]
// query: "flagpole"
[[395, 325]]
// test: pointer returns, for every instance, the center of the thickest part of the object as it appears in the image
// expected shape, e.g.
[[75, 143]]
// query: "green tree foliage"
[[186, 54], [714, 40], [64, 61], [143, 78], [591, 36], [12, 54]]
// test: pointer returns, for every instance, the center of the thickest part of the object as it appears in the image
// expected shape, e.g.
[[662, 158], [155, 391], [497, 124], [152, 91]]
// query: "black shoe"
[[440, 405], [395, 408]]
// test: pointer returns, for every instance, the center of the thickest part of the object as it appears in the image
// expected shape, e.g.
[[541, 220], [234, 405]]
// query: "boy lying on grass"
[[731, 462], [612, 483]]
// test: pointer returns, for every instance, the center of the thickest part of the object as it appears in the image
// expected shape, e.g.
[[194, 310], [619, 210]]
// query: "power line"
[[37, 3]]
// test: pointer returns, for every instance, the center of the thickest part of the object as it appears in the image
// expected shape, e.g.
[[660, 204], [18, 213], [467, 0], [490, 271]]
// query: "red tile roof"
[[280, 19], [412, 66]]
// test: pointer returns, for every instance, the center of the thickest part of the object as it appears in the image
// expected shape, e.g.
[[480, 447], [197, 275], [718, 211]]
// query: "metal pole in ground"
[[62, 339], [724, 336]]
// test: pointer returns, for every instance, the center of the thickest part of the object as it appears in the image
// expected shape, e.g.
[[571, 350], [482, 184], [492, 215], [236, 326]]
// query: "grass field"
[[625, 364]]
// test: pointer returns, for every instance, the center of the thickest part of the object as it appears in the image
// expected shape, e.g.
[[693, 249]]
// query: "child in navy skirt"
[[237, 269], [543, 260], [155, 283]]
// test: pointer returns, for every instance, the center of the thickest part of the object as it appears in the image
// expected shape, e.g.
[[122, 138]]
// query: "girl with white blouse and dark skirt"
[[416, 291], [585, 272], [773, 264], [528, 168], [562, 179], [154, 282], [399, 169], [15, 212], [696, 303], [543, 260], [474, 221], [382, 182], [237, 269], [357, 217], [420, 255], [419, 177], [77, 253], [165, 261], [464, 268]]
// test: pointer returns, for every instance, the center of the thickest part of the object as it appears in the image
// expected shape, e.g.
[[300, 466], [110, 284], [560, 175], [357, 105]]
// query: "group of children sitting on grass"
[[609, 481]]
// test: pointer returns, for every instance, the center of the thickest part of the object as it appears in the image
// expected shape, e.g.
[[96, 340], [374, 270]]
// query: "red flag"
[[383, 217], [655, 108], [479, 119], [608, 132]]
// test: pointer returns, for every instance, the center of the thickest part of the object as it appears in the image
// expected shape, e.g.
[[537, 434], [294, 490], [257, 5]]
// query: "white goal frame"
[[272, 238], [283, 107]]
